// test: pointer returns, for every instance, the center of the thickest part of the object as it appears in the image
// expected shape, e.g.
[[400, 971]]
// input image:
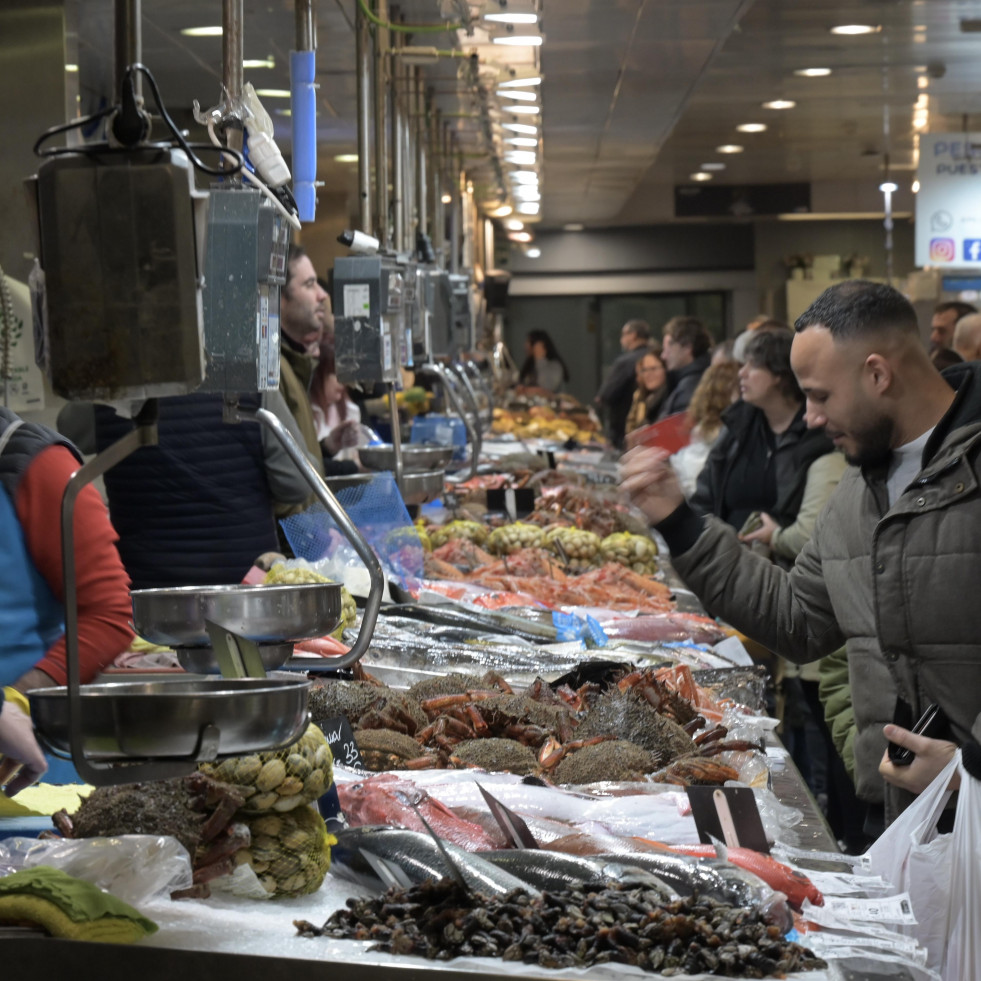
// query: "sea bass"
[[379, 857], [553, 871]]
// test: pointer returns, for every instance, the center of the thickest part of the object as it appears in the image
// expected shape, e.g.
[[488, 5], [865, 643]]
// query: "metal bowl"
[[263, 614], [165, 719], [415, 457], [417, 488], [202, 660]]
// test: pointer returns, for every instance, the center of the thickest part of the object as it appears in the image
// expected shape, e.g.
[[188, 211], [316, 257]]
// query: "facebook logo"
[[972, 250]]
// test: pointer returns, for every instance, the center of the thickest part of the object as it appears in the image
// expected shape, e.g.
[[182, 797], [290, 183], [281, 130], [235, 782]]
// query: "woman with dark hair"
[[651, 390], [335, 416], [766, 461], [543, 367]]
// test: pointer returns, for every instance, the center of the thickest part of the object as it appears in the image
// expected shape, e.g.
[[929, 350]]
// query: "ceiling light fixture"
[[520, 40], [751, 127], [214, 31], [521, 141], [812, 72], [518, 94], [524, 177], [346, 158], [856, 29], [533, 253], [529, 207], [525, 110], [502, 212], [525, 192], [521, 128], [521, 156], [71, 68], [915, 187], [573, 227], [446, 198], [269, 62], [274, 93], [714, 165], [780, 104], [700, 175], [509, 18], [520, 82], [513, 225], [888, 187], [729, 148], [520, 236]]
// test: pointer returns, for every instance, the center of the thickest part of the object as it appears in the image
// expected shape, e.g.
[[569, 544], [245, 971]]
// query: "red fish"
[[793, 884], [388, 800]]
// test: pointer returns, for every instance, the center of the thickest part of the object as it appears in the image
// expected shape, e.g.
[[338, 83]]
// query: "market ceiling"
[[638, 95]]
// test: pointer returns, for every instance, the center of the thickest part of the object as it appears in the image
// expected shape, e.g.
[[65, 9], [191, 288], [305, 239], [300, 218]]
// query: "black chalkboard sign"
[[342, 744]]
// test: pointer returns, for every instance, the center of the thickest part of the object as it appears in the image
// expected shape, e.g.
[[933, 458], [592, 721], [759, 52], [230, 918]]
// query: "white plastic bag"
[[916, 859], [963, 958]]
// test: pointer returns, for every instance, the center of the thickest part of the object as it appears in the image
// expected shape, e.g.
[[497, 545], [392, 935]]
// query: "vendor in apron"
[[35, 466]]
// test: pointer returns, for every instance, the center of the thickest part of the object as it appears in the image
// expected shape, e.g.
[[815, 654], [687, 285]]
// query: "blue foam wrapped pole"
[[303, 104]]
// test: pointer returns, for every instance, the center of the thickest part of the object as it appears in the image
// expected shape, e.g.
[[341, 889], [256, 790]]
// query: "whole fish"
[[378, 857], [553, 871], [793, 884]]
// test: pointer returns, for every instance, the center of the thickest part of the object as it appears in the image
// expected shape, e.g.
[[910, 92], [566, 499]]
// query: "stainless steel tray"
[[415, 457], [203, 660], [417, 488], [263, 614], [174, 719]]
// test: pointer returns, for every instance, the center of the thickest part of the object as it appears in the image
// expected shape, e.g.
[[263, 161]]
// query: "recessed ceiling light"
[[529, 207], [700, 175], [520, 236], [524, 177], [573, 227], [922, 81], [855, 29], [71, 68], [526, 110], [269, 62], [729, 148], [446, 198], [527, 192], [520, 156], [780, 104], [716, 165], [888, 187], [533, 253], [521, 128], [503, 211], [915, 187], [751, 127], [813, 72], [214, 31], [274, 93], [518, 94], [520, 82], [522, 141], [520, 40], [346, 158], [513, 225], [507, 18]]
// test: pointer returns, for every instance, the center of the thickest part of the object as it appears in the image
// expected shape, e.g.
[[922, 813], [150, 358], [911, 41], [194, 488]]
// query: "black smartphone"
[[932, 723]]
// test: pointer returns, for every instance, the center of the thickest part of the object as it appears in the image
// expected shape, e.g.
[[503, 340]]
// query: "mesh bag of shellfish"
[[279, 781], [376, 508]]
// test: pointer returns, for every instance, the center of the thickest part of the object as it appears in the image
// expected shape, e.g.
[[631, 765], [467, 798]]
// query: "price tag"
[[840, 911], [729, 815], [342, 744]]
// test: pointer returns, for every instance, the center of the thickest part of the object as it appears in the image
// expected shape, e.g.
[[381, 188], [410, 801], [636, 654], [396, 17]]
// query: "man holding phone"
[[893, 549]]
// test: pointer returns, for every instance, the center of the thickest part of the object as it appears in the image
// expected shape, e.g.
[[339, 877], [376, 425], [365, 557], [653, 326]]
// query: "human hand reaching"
[[21, 760], [764, 533], [648, 477]]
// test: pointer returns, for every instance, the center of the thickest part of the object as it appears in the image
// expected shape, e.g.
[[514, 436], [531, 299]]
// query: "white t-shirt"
[[326, 422], [907, 462]]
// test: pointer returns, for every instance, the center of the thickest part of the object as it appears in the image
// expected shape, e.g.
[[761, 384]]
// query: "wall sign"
[[948, 205]]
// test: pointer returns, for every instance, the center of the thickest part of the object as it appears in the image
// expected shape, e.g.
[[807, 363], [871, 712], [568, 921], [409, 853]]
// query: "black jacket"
[[746, 433], [617, 392], [683, 383]]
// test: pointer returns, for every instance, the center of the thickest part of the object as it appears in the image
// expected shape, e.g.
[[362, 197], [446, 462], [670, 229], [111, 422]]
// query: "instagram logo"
[[942, 250]]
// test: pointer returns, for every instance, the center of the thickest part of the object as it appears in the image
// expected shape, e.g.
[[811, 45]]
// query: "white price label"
[[842, 911]]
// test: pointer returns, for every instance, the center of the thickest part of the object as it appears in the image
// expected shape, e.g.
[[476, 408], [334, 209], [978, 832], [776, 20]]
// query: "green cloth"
[[100, 915], [835, 693]]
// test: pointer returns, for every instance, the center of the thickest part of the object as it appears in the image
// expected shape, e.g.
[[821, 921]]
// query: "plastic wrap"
[[134, 868]]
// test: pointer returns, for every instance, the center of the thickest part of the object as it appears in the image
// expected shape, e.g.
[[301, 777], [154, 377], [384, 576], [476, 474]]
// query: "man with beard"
[[899, 534]]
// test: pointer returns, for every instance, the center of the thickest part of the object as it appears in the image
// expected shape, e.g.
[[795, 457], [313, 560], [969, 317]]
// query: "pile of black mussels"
[[575, 928]]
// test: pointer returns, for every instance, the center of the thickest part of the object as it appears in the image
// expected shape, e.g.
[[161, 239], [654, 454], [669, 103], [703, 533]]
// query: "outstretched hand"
[[932, 755], [21, 759], [648, 477]]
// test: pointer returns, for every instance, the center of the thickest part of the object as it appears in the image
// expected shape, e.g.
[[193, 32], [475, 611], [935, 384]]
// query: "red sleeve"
[[101, 583]]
